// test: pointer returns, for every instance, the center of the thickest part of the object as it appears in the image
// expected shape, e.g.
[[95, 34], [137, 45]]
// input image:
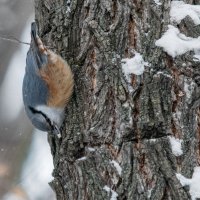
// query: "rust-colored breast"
[[59, 78]]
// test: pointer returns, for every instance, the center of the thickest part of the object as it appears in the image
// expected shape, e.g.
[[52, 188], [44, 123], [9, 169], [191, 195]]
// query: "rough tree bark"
[[107, 123]]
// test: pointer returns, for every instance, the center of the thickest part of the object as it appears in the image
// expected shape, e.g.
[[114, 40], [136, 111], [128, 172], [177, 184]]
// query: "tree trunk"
[[117, 137]]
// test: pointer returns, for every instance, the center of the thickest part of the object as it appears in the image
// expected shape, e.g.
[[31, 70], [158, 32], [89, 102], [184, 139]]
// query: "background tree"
[[119, 133], [15, 129]]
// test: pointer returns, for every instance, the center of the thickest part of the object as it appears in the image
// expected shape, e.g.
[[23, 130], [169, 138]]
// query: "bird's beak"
[[56, 130]]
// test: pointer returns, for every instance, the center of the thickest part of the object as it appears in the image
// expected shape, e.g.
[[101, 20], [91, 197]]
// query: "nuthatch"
[[47, 85]]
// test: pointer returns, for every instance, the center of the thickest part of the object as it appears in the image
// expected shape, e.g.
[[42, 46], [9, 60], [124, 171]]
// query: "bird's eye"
[[35, 111]]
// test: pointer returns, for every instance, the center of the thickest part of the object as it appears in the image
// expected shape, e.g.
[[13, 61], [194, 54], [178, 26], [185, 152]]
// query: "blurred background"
[[25, 159]]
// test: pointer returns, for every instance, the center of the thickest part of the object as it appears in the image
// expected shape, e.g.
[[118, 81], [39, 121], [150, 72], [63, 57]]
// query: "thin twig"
[[12, 39], [15, 40]]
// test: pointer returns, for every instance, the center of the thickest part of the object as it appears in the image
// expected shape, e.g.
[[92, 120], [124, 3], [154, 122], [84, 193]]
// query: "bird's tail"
[[37, 47], [33, 30], [34, 35]]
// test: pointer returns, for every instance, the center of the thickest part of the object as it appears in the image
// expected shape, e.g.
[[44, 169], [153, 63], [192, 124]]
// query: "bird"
[[47, 85]]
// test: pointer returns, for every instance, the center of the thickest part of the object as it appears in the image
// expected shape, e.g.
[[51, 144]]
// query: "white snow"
[[117, 166], [11, 88], [184, 181], [175, 43], [196, 57], [176, 146], [91, 149], [164, 74], [133, 65], [114, 194], [152, 140], [149, 193], [193, 183], [82, 158], [157, 2], [179, 10]]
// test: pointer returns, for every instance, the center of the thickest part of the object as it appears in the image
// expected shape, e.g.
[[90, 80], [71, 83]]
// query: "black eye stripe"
[[34, 111]]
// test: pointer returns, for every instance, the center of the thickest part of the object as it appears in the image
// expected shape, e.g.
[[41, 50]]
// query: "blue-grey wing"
[[35, 90]]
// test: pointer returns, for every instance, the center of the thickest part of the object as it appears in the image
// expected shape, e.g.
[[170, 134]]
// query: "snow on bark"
[[179, 10], [176, 146], [133, 65], [114, 195], [117, 166], [157, 2], [175, 43], [172, 41], [193, 183]]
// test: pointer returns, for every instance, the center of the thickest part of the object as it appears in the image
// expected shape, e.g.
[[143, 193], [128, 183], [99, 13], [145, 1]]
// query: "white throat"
[[54, 114]]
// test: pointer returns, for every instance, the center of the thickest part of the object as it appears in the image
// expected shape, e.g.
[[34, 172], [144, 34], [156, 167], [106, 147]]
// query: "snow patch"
[[83, 158], [165, 74], [149, 193], [193, 183], [152, 140], [114, 194], [117, 166], [176, 146], [133, 65], [175, 43], [179, 10], [157, 2], [184, 181], [196, 57], [91, 149]]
